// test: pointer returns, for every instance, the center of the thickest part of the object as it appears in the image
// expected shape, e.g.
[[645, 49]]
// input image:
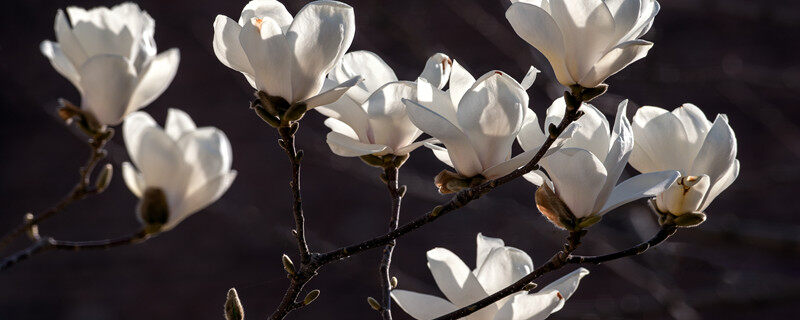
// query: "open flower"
[[684, 140], [477, 121], [110, 57], [582, 177], [371, 118], [497, 267], [586, 41], [181, 168], [284, 56]]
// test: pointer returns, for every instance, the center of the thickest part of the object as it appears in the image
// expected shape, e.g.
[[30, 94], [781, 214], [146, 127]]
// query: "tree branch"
[[287, 143], [391, 178], [663, 234], [81, 190]]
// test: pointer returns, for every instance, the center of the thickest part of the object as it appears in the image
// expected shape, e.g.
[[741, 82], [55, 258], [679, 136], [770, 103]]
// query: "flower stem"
[[391, 176], [663, 234]]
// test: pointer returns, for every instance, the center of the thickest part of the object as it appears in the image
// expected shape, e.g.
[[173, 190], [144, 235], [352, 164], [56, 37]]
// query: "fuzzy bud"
[[153, 210], [374, 304], [310, 297], [104, 179], [233, 307]]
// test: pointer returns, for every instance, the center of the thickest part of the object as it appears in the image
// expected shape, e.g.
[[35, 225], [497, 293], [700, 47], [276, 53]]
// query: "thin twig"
[[555, 263], [81, 190], [47, 244], [287, 143], [662, 235], [391, 177]]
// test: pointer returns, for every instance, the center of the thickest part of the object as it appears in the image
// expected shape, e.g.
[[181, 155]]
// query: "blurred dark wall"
[[727, 56]]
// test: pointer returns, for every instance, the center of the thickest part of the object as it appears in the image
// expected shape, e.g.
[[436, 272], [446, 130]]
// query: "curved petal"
[[529, 78], [537, 27], [491, 115], [617, 157], [269, 53], [201, 198], [502, 267], [132, 130], [439, 101], [593, 133], [331, 95], [460, 81], [107, 82], [413, 146], [694, 123], [68, 42], [178, 124], [422, 306], [266, 9], [60, 62], [318, 38], [341, 127], [345, 146], [578, 177], [536, 177], [133, 179], [102, 31], [441, 154], [388, 120], [615, 60], [347, 111], [437, 70], [723, 183], [566, 285], [370, 67], [530, 135], [227, 47], [454, 278], [460, 150], [661, 142], [641, 186], [484, 246], [208, 152], [161, 163], [523, 158], [525, 306], [588, 31], [718, 151], [154, 79]]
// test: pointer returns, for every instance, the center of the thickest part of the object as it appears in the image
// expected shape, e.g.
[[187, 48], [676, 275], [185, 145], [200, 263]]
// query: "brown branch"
[[47, 244], [80, 191], [391, 177], [663, 234], [287, 143]]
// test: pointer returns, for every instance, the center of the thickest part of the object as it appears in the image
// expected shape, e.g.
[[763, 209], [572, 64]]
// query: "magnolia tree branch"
[[390, 175], [47, 244], [287, 143], [663, 234], [80, 191]]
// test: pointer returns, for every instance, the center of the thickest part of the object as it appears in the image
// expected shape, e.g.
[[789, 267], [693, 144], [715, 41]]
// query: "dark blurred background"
[[736, 57]]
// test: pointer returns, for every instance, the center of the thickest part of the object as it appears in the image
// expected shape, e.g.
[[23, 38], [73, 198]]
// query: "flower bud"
[[288, 265], [684, 196], [451, 182], [374, 303], [310, 297], [233, 307], [555, 210], [153, 210], [393, 282], [689, 220], [104, 179]]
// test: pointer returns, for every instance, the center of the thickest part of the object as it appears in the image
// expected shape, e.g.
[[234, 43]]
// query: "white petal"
[[227, 47], [345, 146], [133, 128], [535, 25], [266, 9], [530, 77], [269, 53], [318, 37], [530, 134], [60, 62], [502, 267], [178, 123], [536, 177], [347, 111], [332, 95], [593, 134], [437, 70], [341, 127], [694, 123], [484, 246], [661, 142], [588, 30], [101, 31], [441, 154], [617, 157], [133, 179], [626, 14], [154, 79], [460, 81], [461, 152], [641, 186], [718, 151], [491, 115], [454, 277], [525, 306], [578, 177], [566, 285], [388, 120], [422, 306], [684, 196], [369, 66], [161, 163], [208, 152], [413, 146], [723, 183], [107, 82], [615, 60], [68, 42], [201, 198], [437, 100]]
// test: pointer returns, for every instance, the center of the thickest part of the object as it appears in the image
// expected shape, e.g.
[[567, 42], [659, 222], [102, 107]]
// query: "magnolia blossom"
[[371, 117], [188, 167], [684, 140], [584, 173], [586, 41], [284, 56], [497, 267], [110, 57], [477, 121]]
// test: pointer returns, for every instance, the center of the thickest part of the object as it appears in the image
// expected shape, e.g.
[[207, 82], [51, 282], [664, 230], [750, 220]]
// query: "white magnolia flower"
[[684, 140], [497, 267], [371, 117], [190, 165], [586, 41], [584, 173], [284, 56], [110, 57], [477, 121]]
